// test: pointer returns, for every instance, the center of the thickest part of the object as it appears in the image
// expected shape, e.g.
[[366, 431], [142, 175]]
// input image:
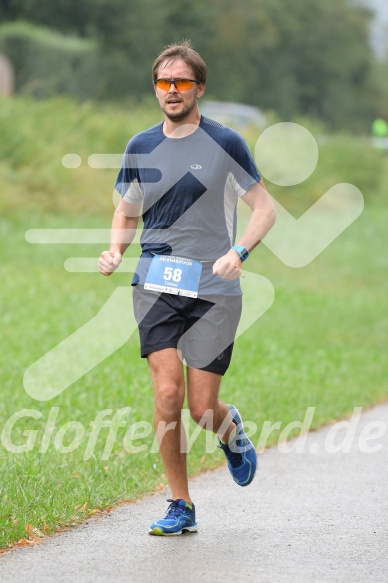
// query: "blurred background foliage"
[[293, 58]]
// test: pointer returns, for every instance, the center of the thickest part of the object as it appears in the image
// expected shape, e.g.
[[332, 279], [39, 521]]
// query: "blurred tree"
[[322, 63], [70, 16], [297, 58]]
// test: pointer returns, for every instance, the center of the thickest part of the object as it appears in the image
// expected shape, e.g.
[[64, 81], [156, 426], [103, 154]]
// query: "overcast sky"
[[379, 29]]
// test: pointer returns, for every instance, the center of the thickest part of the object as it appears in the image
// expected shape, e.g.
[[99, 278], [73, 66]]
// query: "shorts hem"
[[161, 346], [210, 368]]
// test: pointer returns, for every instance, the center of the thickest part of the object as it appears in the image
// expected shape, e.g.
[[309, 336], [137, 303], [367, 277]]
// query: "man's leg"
[[169, 392], [225, 420], [205, 408]]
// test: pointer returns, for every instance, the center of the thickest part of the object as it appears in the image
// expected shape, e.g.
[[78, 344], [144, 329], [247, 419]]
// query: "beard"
[[180, 115]]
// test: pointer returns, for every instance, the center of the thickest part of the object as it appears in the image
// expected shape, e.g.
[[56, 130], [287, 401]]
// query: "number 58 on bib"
[[174, 275]]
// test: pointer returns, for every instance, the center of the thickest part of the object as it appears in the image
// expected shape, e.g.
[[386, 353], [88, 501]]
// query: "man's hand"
[[109, 262], [228, 266]]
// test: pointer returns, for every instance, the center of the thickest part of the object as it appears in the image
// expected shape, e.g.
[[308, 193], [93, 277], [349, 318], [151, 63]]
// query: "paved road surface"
[[308, 517]]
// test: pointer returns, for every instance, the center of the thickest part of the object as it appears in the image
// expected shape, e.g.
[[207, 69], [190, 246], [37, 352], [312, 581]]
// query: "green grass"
[[319, 345]]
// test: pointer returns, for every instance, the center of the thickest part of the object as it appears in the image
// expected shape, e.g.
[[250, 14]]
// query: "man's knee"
[[169, 399], [202, 413]]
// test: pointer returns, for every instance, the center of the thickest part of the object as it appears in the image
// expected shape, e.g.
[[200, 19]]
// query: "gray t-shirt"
[[189, 188]]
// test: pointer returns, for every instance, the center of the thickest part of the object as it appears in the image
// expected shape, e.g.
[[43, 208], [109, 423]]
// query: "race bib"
[[174, 275]]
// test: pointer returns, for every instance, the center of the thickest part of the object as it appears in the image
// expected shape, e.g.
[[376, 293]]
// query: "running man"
[[185, 176]]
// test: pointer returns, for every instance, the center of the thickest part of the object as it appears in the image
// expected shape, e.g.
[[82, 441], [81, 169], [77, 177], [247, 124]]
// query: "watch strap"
[[242, 251]]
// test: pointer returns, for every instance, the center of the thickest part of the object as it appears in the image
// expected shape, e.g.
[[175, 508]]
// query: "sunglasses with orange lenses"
[[180, 84]]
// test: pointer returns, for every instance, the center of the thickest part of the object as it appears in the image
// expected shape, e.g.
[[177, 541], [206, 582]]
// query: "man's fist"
[[228, 266], [109, 262]]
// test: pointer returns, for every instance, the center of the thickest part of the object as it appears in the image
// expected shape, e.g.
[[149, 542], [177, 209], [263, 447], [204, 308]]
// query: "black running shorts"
[[202, 328]]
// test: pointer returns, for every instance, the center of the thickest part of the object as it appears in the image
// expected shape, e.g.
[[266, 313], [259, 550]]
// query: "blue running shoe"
[[179, 518], [240, 454]]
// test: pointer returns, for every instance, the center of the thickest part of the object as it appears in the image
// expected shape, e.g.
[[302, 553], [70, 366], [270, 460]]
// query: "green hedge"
[[49, 64]]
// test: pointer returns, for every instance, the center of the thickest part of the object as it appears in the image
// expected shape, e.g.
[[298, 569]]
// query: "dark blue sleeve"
[[242, 164], [128, 173]]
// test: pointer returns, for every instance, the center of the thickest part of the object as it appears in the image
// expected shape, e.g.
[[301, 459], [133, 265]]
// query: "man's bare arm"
[[124, 225], [263, 215], [260, 222]]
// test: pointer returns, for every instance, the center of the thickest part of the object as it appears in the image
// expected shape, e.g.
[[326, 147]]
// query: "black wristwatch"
[[242, 251]]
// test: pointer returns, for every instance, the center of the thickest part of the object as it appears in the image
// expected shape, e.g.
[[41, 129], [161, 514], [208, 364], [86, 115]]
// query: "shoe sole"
[[253, 447], [159, 532]]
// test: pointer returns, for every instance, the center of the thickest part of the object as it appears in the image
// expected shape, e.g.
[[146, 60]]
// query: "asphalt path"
[[313, 516]]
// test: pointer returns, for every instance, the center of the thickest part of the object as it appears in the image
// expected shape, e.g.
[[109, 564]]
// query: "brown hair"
[[183, 52]]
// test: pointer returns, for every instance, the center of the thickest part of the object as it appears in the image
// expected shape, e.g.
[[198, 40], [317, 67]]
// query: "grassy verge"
[[320, 344]]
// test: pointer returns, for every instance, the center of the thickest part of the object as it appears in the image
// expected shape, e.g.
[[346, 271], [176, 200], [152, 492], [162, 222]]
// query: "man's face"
[[177, 105]]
